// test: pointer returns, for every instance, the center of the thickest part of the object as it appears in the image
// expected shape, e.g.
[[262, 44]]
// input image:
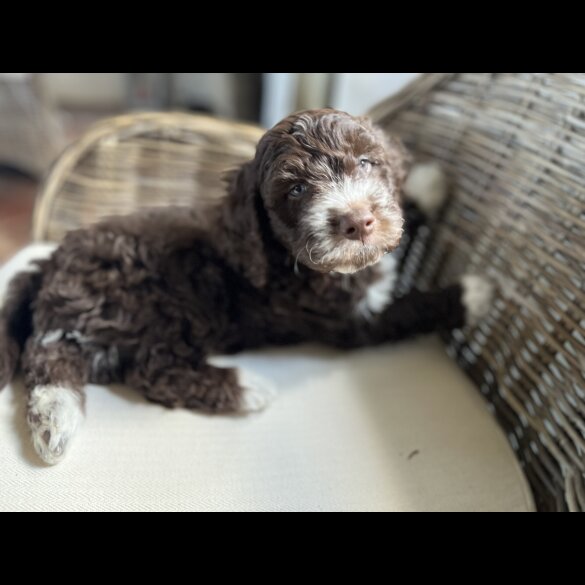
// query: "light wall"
[[354, 92], [85, 90]]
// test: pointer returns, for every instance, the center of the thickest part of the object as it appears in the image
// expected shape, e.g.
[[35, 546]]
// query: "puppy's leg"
[[425, 192], [208, 388], [55, 374], [426, 312], [427, 187], [477, 297]]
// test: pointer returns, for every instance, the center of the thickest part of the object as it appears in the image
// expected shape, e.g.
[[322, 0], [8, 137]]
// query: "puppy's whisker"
[[307, 248], [296, 265], [310, 250], [310, 255]]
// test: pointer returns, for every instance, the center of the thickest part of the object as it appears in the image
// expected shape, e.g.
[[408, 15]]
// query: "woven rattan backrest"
[[140, 160], [514, 148]]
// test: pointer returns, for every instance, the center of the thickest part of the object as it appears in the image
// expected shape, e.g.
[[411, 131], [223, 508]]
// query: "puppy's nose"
[[357, 225]]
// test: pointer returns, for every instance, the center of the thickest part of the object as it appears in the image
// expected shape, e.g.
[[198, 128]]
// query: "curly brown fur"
[[291, 255], [16, 322]]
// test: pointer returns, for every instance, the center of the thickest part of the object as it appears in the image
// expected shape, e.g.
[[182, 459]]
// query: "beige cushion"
[[393, 428], [386, 429]]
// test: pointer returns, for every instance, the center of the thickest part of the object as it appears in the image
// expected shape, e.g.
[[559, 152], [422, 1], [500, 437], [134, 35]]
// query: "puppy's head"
[[330, 183]]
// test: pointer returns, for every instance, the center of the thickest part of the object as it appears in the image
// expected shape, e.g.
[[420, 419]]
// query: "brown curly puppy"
[[297, 251]]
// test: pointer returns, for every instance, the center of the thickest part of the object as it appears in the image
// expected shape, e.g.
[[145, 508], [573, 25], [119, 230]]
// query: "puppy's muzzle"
[[357, 225]]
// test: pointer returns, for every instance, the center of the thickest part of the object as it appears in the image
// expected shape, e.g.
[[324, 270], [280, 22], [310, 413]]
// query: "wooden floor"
[[17, 196]]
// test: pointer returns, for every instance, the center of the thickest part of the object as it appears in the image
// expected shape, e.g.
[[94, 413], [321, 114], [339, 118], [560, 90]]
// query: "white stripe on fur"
[[379, 294]]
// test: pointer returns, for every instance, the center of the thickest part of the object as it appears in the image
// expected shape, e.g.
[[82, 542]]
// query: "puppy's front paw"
[[478, 294], [54, 414], [426, 186], [257, 392]]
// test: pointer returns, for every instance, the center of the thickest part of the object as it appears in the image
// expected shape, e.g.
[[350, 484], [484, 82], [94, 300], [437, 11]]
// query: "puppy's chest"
[[380, 292], [364, 295]]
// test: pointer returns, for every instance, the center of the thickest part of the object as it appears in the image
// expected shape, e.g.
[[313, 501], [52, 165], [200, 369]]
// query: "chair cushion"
[[395, 428]]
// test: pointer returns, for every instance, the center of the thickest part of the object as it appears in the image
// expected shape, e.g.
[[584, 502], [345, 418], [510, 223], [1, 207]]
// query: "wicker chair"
[[513, 146]]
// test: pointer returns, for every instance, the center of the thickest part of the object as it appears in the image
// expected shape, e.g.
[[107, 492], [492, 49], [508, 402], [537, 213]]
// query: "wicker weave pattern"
[[514, 146], [140, 160]]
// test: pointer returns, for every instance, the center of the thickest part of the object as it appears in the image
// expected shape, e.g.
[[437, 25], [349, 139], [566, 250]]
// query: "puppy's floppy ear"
[[242, 243]]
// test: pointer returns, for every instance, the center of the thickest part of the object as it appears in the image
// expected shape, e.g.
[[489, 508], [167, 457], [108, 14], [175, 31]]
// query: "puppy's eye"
[[298, 190], [365, 163]]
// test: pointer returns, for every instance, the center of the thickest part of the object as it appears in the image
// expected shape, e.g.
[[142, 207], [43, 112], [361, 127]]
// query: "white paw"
[[54, 414], [478, 294], [258, 392], [426, 186]]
